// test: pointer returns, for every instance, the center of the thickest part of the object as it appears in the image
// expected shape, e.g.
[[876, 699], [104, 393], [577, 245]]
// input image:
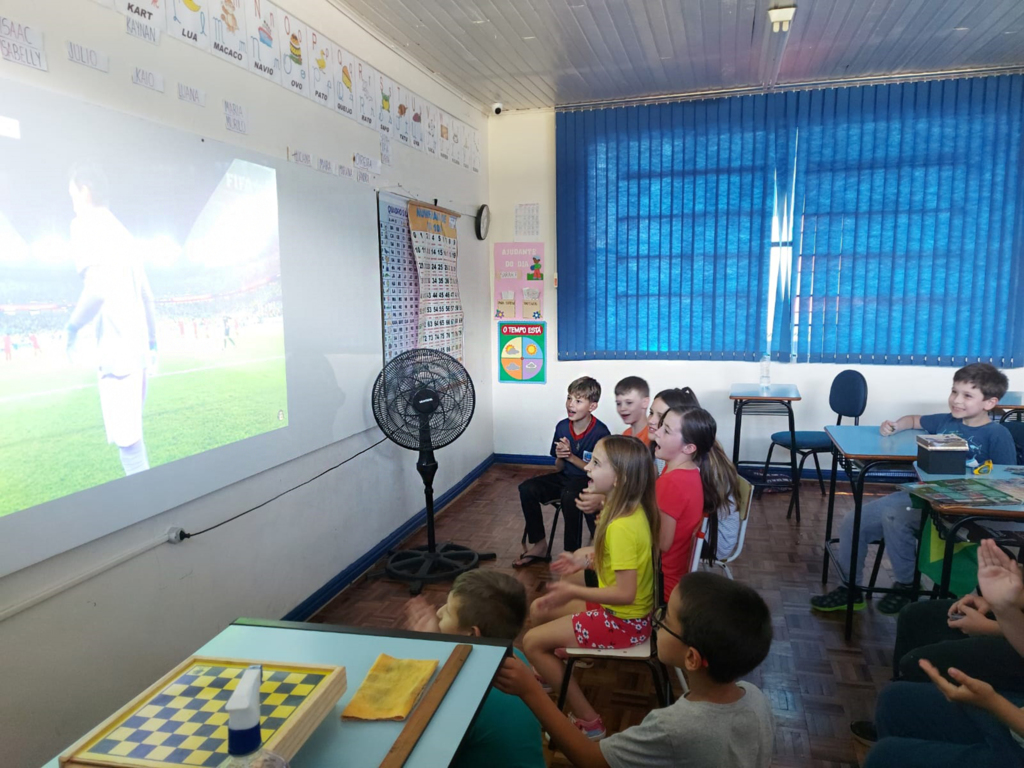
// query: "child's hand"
[[516, 679], [999, 577], [421, 616], [589, 502], [558, 594], [974, 623], [562, 449], [888, 428], [567, 563], [977, 602], [969, 690]]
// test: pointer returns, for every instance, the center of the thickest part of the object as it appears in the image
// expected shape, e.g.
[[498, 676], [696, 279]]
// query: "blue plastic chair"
[[848, 397]]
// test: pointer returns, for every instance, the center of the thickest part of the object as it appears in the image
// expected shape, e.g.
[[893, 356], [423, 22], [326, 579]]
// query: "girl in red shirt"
[[685, 438]]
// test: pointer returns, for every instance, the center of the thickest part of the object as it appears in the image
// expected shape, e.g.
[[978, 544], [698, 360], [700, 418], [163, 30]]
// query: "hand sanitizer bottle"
[[244, 741], [766, 372]]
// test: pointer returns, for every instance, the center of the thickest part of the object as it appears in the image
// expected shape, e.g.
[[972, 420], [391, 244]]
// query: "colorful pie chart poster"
[[521, 352]]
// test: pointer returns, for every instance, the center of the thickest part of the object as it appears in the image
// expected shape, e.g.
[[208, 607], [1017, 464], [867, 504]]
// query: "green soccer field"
[[53, 442]]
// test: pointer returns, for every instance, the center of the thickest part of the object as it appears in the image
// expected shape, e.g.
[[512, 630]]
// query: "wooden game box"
[[180, 720]]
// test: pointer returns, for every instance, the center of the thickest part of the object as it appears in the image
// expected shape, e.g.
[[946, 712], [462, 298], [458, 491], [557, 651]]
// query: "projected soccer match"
[[141, 308]]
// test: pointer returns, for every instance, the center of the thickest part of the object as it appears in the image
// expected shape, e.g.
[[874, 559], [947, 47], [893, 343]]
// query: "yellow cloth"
[[627, 547], [391, 689]]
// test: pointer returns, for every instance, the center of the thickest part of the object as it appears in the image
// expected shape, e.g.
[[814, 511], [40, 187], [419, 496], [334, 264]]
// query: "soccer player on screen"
[[116, 294]]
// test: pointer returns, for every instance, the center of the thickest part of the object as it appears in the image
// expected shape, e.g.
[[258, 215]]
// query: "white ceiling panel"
[[548, 53]]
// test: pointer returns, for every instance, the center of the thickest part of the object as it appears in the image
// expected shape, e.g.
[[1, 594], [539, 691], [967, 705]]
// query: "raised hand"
[[999, 577], [421, 615], [567, 563]]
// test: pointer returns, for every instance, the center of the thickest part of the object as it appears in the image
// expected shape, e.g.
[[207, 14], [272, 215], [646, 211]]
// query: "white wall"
[[522, 167], [71, 660]]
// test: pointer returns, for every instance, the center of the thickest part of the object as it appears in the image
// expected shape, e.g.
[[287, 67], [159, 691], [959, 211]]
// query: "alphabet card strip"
[[263, 30], [230, 40], [190, 21]]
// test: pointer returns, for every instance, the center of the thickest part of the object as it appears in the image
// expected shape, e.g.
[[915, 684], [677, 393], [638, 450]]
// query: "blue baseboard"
[[326, 593], [523, 458]]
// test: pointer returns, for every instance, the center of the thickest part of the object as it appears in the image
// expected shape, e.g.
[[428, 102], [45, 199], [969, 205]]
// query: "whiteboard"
[[329, 292]]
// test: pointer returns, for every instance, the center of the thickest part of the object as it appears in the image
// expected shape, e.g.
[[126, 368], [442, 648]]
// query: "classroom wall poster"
[[400, 287], [519, 281], [431, 130], [189, 22], [345, 83], [146, 11], [294, 53], [444, 121], [435, 242], [368, 94], [467, 148], [402, 114], [263, 28], [230, 40], [521, 352], [320, 68], [416, 121], [385, 112], [457, 128]]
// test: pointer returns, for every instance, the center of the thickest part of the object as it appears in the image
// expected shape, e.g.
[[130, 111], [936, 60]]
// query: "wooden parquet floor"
[[816, 681]]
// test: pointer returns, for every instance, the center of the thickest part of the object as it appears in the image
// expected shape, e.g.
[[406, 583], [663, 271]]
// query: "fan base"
[[419, 565]]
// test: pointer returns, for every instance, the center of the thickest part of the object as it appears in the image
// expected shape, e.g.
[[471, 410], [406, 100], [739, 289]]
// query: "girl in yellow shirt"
[[616, 613]]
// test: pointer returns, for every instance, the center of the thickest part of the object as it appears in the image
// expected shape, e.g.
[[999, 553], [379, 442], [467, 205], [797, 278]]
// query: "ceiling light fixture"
[[961, 29], [780, 18]]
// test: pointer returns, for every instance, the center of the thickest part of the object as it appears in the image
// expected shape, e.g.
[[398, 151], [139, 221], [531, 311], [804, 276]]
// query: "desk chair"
[[646, 652], [743, 510], [557, 504], [848, 397]]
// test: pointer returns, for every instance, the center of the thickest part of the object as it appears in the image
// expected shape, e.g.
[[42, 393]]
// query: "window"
[[878, 224], [665, 217]]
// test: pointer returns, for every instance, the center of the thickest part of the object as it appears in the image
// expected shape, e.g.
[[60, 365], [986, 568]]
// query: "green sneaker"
[[836, 600], [894, 602]]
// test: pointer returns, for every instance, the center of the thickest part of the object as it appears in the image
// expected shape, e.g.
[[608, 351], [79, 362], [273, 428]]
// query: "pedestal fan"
[[423, 400]]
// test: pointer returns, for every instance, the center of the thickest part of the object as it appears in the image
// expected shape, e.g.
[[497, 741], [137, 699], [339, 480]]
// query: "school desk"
[[775, 400], [356, 743]]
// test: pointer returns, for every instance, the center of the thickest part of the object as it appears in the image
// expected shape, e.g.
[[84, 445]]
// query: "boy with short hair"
[[574, 441], [977, 389], [632, 399], [715, 630], [488, 604]]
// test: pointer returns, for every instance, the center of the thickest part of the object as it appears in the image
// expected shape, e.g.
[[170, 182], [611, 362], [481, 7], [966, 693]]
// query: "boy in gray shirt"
[[716, 631]]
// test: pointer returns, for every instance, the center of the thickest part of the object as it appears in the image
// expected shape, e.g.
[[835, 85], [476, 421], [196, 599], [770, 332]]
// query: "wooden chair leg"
[[874, 569]]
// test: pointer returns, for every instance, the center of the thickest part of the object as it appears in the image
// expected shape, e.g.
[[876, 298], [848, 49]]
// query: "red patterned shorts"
[[597, 628]]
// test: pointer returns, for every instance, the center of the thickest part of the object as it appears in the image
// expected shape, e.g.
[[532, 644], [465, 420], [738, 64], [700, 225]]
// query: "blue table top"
[[867, 443], [355, 743], [755, 392], [1012, 400]]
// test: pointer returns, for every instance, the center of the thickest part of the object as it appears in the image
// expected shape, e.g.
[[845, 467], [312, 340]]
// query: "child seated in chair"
[[617, 612], [716, 631], [574, 440], [487, 604]]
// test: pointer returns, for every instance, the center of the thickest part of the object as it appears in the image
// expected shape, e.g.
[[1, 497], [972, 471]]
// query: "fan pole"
[[427, 467]]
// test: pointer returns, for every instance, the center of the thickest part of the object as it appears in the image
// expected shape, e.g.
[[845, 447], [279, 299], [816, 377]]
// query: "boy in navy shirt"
[[574, 441], [977, 389]]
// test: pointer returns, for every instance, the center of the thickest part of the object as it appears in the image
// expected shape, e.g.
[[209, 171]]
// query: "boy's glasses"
[[983, 469], [658, 620]]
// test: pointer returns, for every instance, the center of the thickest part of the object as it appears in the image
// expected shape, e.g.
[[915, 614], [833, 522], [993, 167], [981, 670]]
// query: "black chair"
[[848, 397], [1017, 430]]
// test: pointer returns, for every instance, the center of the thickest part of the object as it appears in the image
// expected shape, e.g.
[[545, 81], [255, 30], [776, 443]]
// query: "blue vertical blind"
[[664, 229], [907, 244], [879, 224]]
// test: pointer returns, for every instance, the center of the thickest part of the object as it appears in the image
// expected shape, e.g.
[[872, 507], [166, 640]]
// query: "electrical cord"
[[182, 535]]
